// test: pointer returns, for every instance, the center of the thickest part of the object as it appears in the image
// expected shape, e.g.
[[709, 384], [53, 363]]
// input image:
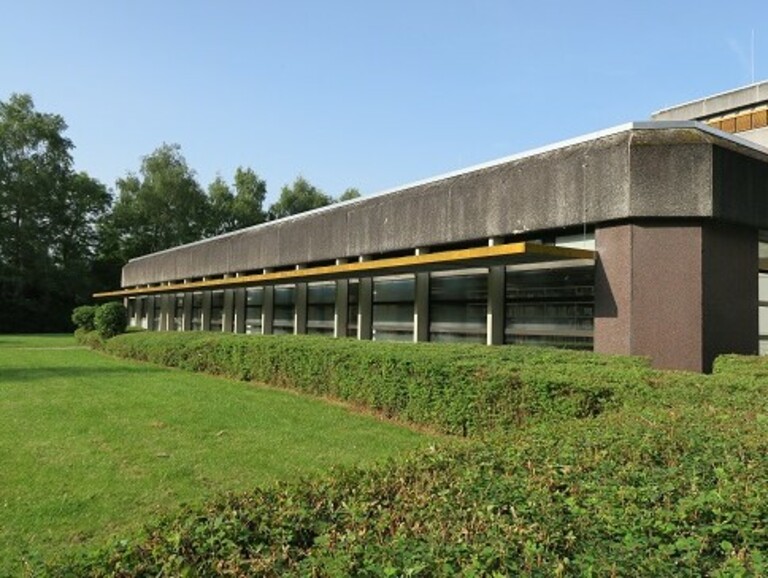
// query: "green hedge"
[[91, 338], [83, 317], [458, 389], [646, 492]]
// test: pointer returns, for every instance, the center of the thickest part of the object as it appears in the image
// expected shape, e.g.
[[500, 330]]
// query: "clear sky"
[[363, 93]]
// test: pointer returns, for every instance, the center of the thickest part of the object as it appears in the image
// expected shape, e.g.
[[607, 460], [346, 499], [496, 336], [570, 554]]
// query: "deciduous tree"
[[160, 207], [47, 220], [300, 197]]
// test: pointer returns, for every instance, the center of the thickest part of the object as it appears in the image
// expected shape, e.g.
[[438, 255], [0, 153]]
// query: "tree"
[[48, 218], [161, 207], [222, 217], [349, 194], [250, 192], [230, 212], [298, 198]]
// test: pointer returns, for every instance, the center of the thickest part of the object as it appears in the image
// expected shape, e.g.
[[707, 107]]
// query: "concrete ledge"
[[633, 171], [725, 102]]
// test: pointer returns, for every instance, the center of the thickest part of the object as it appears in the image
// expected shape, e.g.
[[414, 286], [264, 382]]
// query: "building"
[[643, 239]]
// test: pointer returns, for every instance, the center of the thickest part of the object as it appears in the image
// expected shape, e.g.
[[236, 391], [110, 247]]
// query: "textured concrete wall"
[[634, 173], [717, 104]]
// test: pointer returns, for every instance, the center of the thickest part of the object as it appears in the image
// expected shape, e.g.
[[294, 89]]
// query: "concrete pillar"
[[421, 304], [186, 317], [129, 308], [268, 310], [206, 323], [676, 291], [239, 309], [365, 306], [228, 313], [341, 307], [166, 311], [151, 312], [160, 311], [497, 293], [300, 309]]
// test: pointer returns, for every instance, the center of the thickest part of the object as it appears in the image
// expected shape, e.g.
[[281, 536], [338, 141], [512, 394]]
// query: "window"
[[217, 310], [178, 312], [550, 306], [393, 308], [197, 311], [285, 304], [157, 310], [353, 300], [254, 302], [321, 308], [458, 302]]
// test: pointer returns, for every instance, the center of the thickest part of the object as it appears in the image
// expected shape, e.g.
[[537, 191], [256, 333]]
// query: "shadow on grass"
[[27, 374]]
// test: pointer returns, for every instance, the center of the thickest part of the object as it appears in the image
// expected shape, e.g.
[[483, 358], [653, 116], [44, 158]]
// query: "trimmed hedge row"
[[644, 491], [458, 389], [744, 365]]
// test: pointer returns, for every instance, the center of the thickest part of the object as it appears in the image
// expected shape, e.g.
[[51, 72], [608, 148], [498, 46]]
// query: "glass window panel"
[[550, 307], [394, 289], [285, 299], [458, 306], [197, 311], [178, 312], [156, 313], [352, 307], [142, 303], [217, 310], [132, 311], [321, 308], [254, 300], [393, 308]]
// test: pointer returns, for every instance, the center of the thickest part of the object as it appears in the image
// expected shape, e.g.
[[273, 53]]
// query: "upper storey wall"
[[717, 105], [743, 111], [651, 170]]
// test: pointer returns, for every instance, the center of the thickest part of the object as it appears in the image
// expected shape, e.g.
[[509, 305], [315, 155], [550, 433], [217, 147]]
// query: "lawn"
[[92, 447]]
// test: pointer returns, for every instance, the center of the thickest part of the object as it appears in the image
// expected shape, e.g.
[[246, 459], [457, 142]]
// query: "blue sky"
[[361, 93]]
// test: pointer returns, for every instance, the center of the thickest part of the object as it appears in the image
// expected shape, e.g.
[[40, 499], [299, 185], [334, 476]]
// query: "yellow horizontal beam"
[[431, 261]]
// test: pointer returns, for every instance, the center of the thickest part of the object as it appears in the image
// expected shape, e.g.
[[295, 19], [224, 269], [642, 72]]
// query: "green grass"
[[92, 447], [53, 340]]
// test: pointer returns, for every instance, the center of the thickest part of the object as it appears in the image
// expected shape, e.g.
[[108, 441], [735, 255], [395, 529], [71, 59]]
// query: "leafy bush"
[[459, 389], [645, 491], [90, 339], [83, 317], [655, 474], [110, 319]]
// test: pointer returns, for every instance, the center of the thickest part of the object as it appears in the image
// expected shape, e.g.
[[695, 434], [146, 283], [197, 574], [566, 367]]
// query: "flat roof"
[[720, 103], [626, 127]]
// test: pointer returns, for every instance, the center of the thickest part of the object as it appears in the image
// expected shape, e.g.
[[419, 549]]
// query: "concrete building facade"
[[643, 239]]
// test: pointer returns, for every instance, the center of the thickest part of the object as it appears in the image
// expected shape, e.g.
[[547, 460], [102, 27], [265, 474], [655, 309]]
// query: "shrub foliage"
[[110, 319], [457, 389], [83, 317], [624, 470], [647, 492]]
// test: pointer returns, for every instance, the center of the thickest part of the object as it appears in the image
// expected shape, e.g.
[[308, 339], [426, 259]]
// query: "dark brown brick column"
[[681, 293]]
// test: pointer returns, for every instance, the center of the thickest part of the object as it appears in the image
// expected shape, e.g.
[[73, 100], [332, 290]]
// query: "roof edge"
[[626, 127]]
